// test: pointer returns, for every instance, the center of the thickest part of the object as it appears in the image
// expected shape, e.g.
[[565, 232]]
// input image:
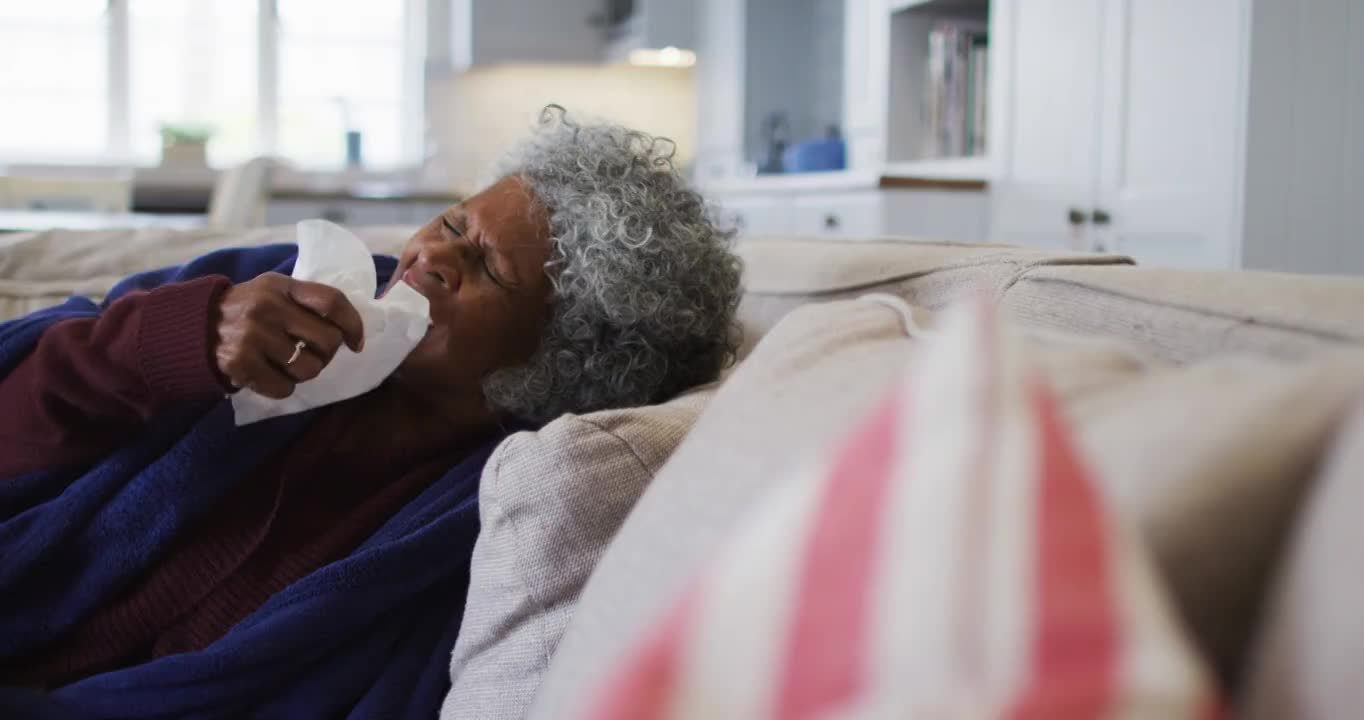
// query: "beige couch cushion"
[[1178, 449], [1211, 460], [1309, 659], [781, 274], [1185, 315], [1179, 315], [549, 502], [1230, 437], [41, 269], [55, 255]]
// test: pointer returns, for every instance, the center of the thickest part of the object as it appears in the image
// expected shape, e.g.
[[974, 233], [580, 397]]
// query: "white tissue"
[[394, 324]]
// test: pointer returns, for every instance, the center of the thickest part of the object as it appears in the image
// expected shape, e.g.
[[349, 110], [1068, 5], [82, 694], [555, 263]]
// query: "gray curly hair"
[[645, 284]]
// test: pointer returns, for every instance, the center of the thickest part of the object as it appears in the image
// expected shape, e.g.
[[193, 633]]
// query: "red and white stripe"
[[951, 558]]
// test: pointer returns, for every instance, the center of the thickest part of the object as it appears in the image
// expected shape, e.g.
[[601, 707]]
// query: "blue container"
[[354, 158], [815, 156]]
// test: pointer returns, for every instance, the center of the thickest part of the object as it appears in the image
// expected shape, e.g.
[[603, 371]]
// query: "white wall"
[[1305, 136], [476, 115]]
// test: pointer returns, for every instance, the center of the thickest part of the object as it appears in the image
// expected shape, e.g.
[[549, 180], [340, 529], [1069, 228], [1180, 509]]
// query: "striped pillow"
[[952, 557]]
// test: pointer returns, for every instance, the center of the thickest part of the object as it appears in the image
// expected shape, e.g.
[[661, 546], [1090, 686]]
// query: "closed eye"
[[482, 255], [488, 270]]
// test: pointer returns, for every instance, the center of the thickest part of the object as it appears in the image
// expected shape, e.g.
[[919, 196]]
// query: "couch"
[[1221, 410]]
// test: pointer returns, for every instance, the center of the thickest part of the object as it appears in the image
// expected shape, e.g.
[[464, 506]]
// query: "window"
[[97, 79], [340, 72], [53, 80], [193, 62]]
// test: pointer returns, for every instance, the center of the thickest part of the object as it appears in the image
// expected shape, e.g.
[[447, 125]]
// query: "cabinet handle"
[[831, 222], [1101, 217], [1076, 216]]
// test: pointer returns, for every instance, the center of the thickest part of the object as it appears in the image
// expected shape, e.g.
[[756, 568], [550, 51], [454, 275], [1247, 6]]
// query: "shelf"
[[794, 182], [945, 6], [965, 174], [938, 95], [963, 168]]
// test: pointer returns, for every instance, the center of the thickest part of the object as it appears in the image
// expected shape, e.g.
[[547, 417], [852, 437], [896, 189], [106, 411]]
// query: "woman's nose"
[[449, 261], [447, 276]]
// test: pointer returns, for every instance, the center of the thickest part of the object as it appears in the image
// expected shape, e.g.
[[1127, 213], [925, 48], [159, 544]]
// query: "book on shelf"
[[957, 90], [979, 95]]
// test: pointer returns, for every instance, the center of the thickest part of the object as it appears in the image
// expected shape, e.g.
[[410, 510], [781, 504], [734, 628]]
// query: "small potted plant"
[[185, 145]]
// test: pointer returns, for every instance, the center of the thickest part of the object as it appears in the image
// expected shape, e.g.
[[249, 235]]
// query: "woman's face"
[[481, 264]]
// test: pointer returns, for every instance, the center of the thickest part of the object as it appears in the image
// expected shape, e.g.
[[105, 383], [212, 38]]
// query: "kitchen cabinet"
[[1123, 130], [1048, 154], [769, 72], [855, 66], [1222, 133], [649, 25], [815, 65], [758, 213], [1171, 101], [1132, 127], [489, 32], [857, 213]]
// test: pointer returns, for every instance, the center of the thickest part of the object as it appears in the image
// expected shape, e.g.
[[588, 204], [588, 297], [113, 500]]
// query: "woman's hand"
[[260, 322]]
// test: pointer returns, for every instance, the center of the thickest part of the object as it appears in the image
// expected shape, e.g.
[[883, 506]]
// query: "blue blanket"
[[368, 636]]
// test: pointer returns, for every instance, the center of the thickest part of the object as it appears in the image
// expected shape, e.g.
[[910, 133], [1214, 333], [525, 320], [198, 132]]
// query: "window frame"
[[412, 105]]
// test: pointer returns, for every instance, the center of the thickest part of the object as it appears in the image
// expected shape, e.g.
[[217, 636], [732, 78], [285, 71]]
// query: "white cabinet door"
[[936, 215], [907, 214], [1049, 55], [850, 214], [758, 214], [1172, 99]]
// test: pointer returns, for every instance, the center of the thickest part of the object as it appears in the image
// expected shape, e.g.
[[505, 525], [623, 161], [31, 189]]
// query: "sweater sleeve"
[[90, 383]]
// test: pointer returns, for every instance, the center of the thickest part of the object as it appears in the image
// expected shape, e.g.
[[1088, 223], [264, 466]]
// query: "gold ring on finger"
[[298, 350]]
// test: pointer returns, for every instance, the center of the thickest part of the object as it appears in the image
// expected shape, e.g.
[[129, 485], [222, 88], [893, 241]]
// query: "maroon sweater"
[[90, 384]]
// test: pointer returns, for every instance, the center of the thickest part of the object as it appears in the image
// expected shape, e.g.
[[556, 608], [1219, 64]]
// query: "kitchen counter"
[[187, 190], [842, 180], [360, 195]]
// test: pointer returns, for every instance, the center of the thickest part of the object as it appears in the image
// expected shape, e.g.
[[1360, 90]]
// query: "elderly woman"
[[159, 561]]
